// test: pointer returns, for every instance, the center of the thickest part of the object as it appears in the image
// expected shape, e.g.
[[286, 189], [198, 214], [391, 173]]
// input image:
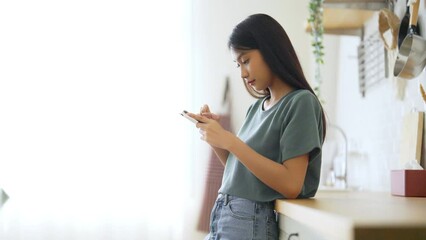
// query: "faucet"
[[342, 178]]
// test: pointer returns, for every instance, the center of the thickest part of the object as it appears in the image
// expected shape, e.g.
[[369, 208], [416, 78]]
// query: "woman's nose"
[[244, 73]]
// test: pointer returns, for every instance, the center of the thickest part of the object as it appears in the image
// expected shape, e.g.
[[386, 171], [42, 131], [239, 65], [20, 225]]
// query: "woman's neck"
[[277, 93]]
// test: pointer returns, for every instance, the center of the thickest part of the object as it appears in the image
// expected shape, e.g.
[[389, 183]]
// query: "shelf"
[[373, 5], [344, 21]]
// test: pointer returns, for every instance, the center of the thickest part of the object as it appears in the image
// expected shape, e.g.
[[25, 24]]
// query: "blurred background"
[[92, 145]]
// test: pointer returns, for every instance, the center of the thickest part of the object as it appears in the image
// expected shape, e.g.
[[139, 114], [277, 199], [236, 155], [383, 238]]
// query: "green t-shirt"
[[290, 128]]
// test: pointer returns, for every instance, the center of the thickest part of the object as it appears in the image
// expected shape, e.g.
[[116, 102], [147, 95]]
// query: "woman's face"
[[254, 70]]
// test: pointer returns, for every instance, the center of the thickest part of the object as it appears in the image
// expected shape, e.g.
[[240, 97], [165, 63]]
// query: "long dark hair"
[[264, 33]]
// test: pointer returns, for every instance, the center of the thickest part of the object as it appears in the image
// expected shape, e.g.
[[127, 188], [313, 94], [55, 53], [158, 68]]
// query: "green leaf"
[[315, 20]]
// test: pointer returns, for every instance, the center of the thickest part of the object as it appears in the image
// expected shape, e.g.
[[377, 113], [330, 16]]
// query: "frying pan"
[[404, 26], [411, 58]]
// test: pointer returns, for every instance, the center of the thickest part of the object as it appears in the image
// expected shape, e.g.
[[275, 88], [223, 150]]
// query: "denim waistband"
[[226, 198]]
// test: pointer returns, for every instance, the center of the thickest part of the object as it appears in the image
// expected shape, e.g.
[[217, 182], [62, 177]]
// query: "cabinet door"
[[291, 229]]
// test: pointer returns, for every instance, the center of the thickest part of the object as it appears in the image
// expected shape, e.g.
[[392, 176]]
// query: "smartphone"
[[184, 113]]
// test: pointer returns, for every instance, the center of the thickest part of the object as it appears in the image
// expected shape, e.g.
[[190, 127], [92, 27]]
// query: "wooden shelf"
[[357, 4], [344, 21]]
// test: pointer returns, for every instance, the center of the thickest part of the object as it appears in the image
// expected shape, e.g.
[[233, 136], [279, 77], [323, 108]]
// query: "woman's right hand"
[[205, 112], [212, 132]]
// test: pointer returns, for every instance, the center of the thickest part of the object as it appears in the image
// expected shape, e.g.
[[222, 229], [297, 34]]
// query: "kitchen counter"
[[353, 215]]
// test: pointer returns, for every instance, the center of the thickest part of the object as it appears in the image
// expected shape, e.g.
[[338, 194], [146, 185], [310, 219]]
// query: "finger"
[[204, 109], [207, 115], [193, 115], [214, 116], [211, 116], [198, 117]]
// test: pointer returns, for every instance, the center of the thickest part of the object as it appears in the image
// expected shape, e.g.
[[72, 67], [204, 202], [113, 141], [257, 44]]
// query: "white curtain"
[[91, 142]]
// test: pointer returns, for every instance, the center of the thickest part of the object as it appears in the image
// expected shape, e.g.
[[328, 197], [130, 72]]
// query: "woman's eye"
[[244, 62]]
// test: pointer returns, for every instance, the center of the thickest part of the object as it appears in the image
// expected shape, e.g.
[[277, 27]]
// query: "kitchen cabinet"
[[347, 215], [291, 229]]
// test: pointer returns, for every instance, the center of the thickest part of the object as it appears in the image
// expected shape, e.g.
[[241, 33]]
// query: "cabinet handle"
[[295, 235]]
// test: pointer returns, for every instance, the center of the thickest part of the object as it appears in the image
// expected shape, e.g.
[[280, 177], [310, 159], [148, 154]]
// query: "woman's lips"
[[251, 83]]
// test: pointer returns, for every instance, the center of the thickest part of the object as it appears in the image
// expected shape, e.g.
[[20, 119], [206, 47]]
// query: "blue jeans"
[[235, 218]]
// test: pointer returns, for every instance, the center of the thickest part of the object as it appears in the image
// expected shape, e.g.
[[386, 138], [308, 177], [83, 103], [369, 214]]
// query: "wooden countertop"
[[347, 213]]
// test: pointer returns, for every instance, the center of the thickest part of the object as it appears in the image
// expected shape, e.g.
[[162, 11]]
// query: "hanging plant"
[[317, 30]]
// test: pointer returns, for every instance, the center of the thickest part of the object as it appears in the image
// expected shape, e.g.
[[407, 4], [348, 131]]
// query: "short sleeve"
[[302, 128]]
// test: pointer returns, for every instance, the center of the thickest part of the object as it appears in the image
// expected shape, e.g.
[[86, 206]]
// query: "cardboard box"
[[408, 183]]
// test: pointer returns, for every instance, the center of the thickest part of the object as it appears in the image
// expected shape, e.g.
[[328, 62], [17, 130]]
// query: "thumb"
[[205, 109]]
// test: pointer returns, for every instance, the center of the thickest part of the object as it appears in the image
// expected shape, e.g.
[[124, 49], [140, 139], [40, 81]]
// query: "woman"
[[277, 152]]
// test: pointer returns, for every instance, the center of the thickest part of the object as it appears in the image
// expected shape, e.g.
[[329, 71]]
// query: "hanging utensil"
[[423, 93], [411, 58], [404, 26], [388, 28]]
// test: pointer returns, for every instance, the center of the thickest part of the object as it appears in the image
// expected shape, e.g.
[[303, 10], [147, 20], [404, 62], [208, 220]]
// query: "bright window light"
[[90, 135]]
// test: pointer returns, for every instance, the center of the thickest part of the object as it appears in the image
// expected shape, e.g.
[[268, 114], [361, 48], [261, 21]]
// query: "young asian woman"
[[277, 152]]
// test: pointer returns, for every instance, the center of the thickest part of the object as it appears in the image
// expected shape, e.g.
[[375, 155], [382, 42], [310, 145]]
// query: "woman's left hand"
[[212, 132]]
